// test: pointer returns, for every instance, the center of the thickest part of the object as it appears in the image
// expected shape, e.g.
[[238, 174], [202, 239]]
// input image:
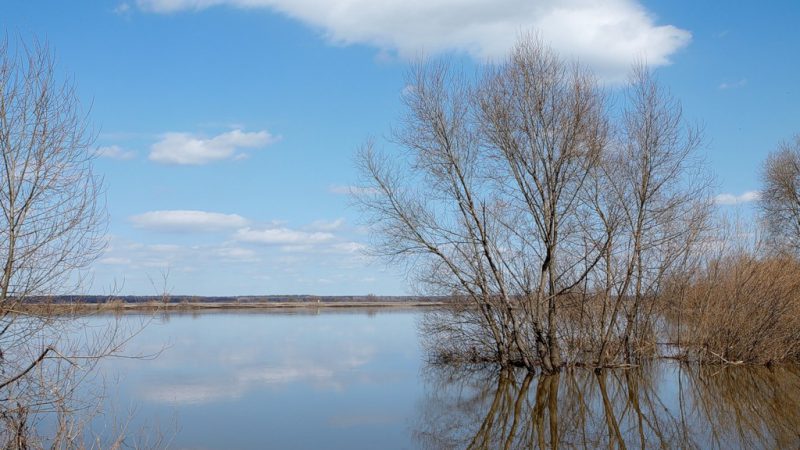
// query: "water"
[[353, 379]]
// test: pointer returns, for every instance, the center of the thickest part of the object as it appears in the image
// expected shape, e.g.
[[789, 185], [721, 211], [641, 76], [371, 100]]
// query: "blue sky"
[[227, 128]]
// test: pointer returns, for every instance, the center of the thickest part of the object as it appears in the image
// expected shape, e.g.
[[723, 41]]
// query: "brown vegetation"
[[741, 308]]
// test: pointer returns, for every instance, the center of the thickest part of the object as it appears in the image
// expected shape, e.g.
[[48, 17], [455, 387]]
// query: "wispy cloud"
[[242, 375], [349, 247], [189, 149], [237, 254], [246, 379], [281, 236], [187, 221], [733, 84], [340, 189], [326, 225], [733, 199], [122, 8], [115, 152], [608, 34], [115, 261], [262, 257]]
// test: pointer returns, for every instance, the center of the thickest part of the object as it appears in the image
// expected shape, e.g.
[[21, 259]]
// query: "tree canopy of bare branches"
[[51, 221], [519, 193], [780, 194]]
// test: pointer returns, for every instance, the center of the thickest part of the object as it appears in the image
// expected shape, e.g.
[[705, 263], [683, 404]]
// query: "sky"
[[226, 129]]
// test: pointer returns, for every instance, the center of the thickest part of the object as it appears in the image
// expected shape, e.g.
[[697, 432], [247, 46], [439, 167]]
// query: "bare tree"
[[520, 197], [544, 122], [51, 226], [657, 209], [780, 194], [490, 205]]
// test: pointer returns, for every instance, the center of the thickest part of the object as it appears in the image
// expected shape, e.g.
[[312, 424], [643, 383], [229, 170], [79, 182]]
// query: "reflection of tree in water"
[[662, 406], [749, 408]]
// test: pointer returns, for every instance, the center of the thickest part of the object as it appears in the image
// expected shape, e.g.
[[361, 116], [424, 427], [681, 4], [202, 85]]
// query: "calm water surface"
[[353, 379]]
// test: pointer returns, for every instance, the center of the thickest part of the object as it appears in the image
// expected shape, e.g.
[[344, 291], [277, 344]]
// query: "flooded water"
[[353, 379]]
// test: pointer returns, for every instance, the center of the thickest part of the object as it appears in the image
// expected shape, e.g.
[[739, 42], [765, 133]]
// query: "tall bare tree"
[[52, 221], [544, 121], [51, 225], [490, 204], [780, 194], [658, 206], [519, 196]]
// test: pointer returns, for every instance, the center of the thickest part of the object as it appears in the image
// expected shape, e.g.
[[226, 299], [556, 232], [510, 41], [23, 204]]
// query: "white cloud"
[[115, 261], [188, 149], [202, 391], [115, 152], [163, 248], [607, 34], [351, 190], [237, 254], [122, 8], [733, 85], [732, 199], [183, 220], [349, 247], [281, 236], [326, 225], [297, 248]]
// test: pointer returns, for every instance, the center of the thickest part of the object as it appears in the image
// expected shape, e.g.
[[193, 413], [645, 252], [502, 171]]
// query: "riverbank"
[[66, 307]]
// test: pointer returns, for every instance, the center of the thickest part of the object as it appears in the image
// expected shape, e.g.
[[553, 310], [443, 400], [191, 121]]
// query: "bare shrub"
[[740, 305], [743, 308]]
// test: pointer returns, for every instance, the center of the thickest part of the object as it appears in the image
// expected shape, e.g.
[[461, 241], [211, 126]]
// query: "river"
[[355, 379]]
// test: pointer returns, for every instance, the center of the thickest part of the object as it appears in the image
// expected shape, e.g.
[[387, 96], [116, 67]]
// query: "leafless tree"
[[52, 222], [51, 226], [656, 211], [490, 205], [780, 194], [520, 197], [543, 122]]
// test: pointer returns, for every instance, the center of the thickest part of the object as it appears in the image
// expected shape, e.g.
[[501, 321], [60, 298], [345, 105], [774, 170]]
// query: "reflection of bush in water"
[[753, 408], [661, 406]]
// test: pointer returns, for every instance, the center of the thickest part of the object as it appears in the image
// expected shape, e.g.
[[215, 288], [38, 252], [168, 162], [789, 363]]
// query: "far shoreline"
[[76, 304]]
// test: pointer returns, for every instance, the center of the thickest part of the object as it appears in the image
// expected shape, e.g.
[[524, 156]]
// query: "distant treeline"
[[95, 299]]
